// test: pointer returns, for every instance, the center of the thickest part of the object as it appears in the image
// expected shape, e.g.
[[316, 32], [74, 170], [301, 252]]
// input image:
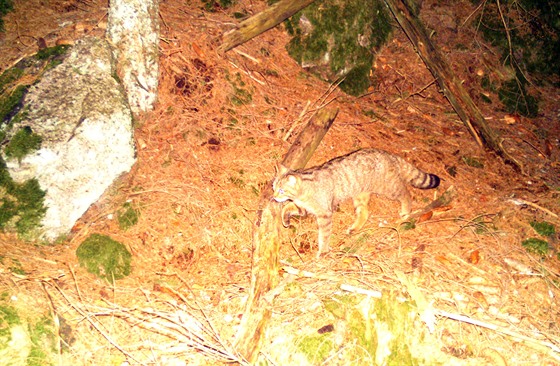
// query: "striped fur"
[[321, 189]]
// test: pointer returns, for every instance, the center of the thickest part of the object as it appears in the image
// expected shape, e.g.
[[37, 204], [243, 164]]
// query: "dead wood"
[[266, 241], [444, 200], [262, 22], [405, 13]]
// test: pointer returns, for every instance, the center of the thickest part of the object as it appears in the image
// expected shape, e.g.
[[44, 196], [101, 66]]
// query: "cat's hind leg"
[[361, 202], [324, 222], [403, 196]]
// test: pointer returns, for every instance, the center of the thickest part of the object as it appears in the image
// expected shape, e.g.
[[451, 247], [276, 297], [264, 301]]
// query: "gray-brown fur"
[[321, 189]]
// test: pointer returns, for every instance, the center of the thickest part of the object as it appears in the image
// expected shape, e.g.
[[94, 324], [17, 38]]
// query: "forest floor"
[[221, 124]]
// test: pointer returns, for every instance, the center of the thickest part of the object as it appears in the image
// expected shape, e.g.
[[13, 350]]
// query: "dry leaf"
[[64, 42], [77, 227], [442, 208], [494, 357], [486, 289], [511, 119], [518, 266], [142, 144], [425, 216], [474, 257], [416, 263], [442, 259], [479, 296], [447, 131], [197, 50]]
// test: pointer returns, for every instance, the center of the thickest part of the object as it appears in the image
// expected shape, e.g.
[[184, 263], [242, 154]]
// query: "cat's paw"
[[290, 209], [323, 251]]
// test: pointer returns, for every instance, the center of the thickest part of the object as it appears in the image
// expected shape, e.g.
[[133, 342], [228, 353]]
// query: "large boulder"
[[85, 126], [338, 39]]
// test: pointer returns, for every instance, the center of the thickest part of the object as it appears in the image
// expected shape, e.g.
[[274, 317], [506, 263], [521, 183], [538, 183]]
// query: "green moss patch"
[[515, 98], [539, 246], [531, 41], [217, 5], [8, 318], [10, 103], [383, 331], [42, 335], [6, 6], [242, 94], [128, 216], [51, 52], [472, 162], [527, 34], [536, 246], [316, 347], [345, 33], [28, 339], [543, 228], [21, 204], [22, 143], [104, 257]]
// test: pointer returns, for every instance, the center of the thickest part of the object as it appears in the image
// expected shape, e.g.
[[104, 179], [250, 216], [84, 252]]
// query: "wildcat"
[[319, 190]]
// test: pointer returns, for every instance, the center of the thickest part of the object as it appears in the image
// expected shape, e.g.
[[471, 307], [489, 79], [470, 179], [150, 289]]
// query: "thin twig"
[[519, 202], [296, 122], [89, 318], [255, 60]]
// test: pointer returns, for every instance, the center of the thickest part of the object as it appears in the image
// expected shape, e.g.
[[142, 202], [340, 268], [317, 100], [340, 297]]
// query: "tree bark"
[[406, 14], [266, 242], [262, 22]]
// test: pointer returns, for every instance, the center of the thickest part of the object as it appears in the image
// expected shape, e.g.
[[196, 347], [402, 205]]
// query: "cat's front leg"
[[289, 210], [324, 222]]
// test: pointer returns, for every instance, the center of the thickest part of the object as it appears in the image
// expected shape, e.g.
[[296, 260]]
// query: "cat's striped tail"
[[418, 178]]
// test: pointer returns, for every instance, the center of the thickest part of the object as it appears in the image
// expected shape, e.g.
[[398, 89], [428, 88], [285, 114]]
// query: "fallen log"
[[266, 242], [262, 22]]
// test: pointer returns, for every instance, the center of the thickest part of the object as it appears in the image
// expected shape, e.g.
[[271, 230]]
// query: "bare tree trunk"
[[404, 12], [133, 31], [262, 22], [266, 242]]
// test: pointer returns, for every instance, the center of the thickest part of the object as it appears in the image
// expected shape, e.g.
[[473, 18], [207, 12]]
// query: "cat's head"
[[286, 185]]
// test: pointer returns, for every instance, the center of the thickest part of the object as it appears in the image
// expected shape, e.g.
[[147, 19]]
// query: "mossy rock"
[[21, 204], [104, 257], [15, 81], [337, 40], [386, 331]]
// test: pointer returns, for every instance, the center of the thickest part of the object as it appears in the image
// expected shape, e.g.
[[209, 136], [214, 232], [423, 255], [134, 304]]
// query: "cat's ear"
[[281, 169], [292, 180]]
